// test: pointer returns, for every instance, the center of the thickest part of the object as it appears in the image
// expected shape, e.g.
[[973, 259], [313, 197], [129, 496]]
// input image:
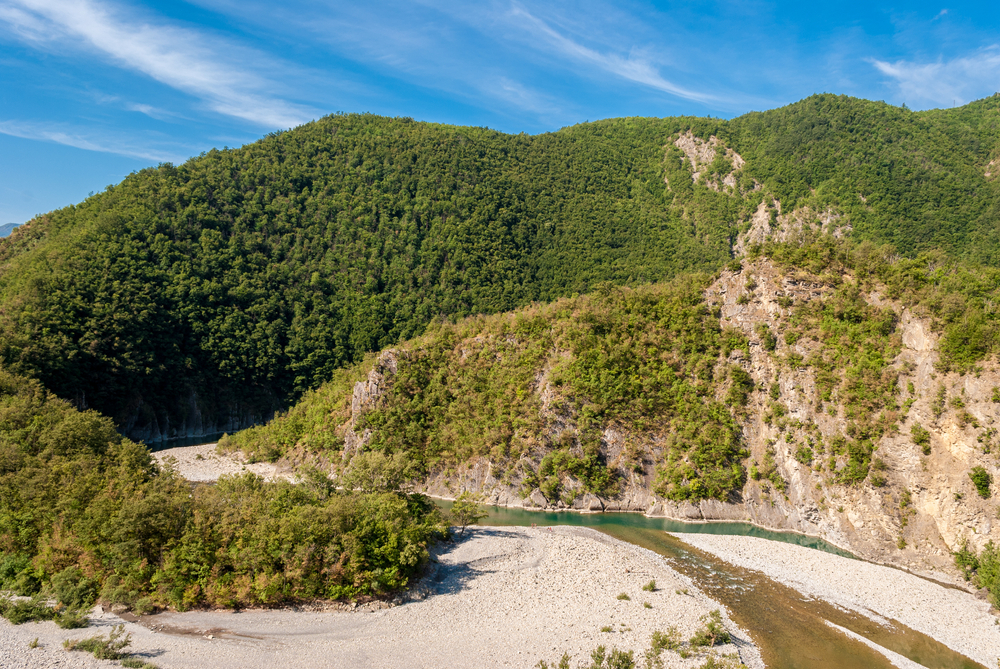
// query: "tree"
[[374, 471], [467, 510]]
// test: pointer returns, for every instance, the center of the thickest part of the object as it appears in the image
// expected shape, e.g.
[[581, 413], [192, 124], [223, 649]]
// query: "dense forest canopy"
[[244, 277]]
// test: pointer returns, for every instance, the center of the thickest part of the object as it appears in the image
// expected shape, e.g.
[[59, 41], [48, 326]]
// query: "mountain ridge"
[[200, 297]]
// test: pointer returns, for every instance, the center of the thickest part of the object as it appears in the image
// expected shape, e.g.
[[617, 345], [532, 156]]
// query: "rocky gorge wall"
[[192, 416], [870, 518]]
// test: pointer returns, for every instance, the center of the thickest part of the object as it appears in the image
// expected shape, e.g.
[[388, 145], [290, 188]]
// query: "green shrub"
[[669, 640], [467, 510], [938, 404], [712, 631], [70, 619], [615, 659], [982, 569], [767, 338], [562, 664], [72, 589], [650, 587], [135, 663], [26, 610], [111, 647], [624, 596], [982, 479], [741, 387], [921, 437]]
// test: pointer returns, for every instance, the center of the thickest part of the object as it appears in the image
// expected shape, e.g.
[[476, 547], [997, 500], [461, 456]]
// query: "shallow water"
[[789, 629]]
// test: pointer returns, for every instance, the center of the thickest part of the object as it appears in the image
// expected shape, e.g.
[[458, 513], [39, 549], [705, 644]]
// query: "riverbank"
[[203, 464], [500, 597], [958, 619]]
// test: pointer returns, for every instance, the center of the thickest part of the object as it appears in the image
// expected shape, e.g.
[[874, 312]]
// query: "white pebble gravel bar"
[[201, 463], [501, 597]]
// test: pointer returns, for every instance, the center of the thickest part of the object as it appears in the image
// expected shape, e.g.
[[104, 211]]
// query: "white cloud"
[[633, 67], [85, 139], [946, 83], [177, 57]]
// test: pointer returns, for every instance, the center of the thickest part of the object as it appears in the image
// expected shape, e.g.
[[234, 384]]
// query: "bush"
[[982, 479], [71, 619], [111, 647], [615, 659], [650, 587], [767, 338], [467, 510], [921, 437], [983, 569], [26, 610], [72, 589], [669, 640], [712, 631]]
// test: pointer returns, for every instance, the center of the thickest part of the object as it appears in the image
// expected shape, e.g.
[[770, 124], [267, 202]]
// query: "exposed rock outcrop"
[[365, 397]]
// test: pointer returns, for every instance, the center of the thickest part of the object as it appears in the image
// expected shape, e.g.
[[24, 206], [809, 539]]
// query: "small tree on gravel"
[[467, 510]]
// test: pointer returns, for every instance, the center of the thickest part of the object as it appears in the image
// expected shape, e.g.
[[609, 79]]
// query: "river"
[[790, 629]]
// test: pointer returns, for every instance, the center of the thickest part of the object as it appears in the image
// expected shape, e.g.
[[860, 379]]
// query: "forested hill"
[[205, 295]]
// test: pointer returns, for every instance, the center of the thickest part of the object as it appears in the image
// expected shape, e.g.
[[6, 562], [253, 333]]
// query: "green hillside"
[[225, 287], [86, 514], [492, 387], [536, 391]]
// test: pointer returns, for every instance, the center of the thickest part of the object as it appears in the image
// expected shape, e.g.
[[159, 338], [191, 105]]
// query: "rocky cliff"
[[913, 503]]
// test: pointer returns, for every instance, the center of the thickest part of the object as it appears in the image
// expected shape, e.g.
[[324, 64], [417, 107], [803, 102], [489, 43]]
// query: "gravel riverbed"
[[201, 463], [958, 619], [499, 597]]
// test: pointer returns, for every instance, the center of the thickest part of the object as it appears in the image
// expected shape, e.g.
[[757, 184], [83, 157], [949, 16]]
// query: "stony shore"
[[500, 597], [956, 618], [202, 463]]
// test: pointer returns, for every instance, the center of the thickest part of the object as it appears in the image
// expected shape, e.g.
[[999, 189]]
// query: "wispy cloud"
[[945, 83], [175, 56], [86, 139], [633, 67]]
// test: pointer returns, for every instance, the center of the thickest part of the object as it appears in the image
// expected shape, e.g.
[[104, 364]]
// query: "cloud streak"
[[635, 69], [174, 56], [945, 83], [84, 139]]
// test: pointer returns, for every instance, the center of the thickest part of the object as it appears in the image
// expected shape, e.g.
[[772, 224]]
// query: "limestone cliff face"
[[365, 397], [944, 507]]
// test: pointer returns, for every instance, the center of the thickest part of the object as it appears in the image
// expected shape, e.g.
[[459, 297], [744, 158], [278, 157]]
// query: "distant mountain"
[[203, 296], [7, 228]]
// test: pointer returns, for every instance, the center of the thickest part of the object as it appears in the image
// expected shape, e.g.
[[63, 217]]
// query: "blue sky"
[[91, 90]]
